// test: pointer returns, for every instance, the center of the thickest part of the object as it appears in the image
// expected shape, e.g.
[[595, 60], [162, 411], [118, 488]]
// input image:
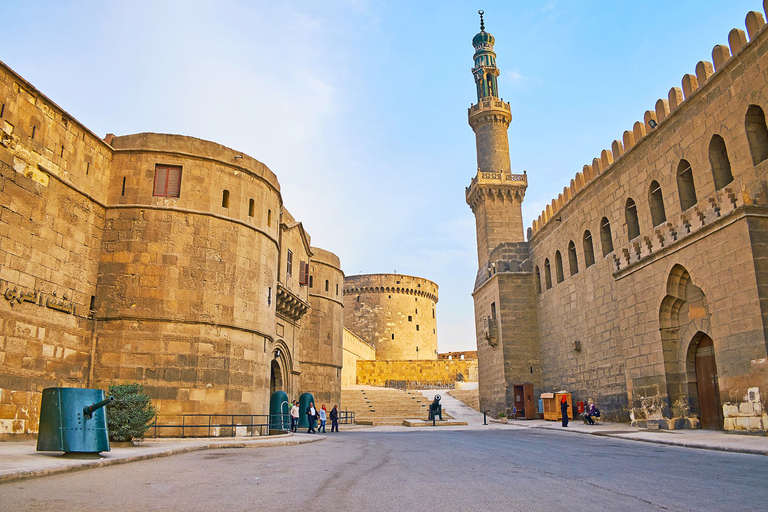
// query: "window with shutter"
[[303, 273], [167, 181]]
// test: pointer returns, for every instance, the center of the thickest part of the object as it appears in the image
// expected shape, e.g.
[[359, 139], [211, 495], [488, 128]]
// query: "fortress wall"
[[613, 307], [377, 373], [184, 281], [355, 349], [322, 333], [395, 313], [54, 174]]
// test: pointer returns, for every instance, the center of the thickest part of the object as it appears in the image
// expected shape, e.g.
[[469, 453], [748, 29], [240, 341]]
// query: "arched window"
[[685, 187], [630, 214], [718, 159], [589, 251], [606, 239], [757, 133], [547, 274], [225, 199], [558, 267], [573, 262], [658, 215], [538, 279]]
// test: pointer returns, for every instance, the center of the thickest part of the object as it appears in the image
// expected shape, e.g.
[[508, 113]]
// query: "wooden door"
[[706, 385]]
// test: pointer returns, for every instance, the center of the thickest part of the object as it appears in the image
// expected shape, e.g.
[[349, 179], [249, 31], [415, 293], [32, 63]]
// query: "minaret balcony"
[[502, 184], [489, 103]]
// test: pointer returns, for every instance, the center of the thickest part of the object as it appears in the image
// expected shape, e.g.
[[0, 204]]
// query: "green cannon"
[[73, 420]]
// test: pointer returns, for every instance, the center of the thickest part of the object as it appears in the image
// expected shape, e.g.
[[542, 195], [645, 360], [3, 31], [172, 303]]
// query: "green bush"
[[128, 417]]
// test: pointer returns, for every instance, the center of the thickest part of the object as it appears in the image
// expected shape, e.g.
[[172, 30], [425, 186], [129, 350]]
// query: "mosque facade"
[[644, 285]]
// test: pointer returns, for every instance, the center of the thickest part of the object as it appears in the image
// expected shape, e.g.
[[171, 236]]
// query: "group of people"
[[315, 417], [590, 412]]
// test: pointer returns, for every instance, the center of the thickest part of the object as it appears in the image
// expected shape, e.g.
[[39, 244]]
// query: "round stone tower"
[[395, 313], [495, 194]]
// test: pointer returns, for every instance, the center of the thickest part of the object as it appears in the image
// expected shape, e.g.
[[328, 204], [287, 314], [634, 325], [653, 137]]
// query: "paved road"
[[493, 469]]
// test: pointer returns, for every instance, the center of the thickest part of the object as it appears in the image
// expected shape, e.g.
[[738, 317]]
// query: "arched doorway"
[[707, 389], [275, 378]]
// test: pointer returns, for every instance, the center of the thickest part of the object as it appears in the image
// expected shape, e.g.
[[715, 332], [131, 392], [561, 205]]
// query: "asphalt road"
[[467, 470]]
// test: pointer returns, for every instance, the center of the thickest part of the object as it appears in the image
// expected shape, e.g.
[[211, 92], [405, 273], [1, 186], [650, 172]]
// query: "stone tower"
[[504, 294], [495, 194]]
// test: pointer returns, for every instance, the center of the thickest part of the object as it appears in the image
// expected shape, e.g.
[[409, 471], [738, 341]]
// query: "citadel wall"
[[55, 174], [660, 243], [322, 334], [355, 348], [161, 259], [393, 312], [436, 372]]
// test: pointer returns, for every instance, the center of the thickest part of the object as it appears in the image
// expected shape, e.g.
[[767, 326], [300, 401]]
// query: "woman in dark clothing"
[[564, 410], [334, 419]]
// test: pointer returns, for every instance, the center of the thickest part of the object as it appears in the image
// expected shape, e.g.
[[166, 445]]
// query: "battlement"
[[665, 112]]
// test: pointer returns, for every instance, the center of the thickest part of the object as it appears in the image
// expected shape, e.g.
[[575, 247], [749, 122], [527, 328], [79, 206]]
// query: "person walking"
[[295, 416], [323, 418], [334, 419], [311, 417], [564, 410]]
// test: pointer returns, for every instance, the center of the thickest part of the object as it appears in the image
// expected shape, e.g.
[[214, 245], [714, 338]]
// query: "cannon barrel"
[[88, 410]]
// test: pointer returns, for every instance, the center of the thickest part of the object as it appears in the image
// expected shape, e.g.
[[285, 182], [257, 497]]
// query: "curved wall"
[[184, 302], [395, 313], [321, 334]]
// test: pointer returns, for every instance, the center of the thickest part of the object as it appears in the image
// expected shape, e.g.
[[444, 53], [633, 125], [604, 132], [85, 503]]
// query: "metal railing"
[[409, 384], [230, 425]]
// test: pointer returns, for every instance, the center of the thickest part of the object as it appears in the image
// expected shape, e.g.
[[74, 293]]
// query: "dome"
[[483, 38]]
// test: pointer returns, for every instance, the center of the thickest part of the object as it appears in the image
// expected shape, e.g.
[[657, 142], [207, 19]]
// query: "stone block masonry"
[[162, 259], [646, 276]]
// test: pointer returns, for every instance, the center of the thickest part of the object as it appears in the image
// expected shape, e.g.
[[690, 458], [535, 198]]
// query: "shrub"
[[128, 417]]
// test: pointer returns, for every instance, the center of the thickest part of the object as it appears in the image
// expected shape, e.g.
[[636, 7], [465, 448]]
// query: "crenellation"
[[704, 70], [606, 159], [628, 139], [662, 109], [617, 149], [737, 40], [754, 22]]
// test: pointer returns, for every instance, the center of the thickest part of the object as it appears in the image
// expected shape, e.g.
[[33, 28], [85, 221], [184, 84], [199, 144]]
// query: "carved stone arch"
[[683, 313], [281, 361]]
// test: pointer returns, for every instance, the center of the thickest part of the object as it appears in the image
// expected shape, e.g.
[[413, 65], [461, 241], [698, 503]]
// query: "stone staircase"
[[385, 406]]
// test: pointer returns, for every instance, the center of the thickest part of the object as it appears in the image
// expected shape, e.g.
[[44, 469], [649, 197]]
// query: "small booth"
[[525, 408], [552, 405]]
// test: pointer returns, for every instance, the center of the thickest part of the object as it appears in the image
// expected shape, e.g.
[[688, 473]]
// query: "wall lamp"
[[652, 123]]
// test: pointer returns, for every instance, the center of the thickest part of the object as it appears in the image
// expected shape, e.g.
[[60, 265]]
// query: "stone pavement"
[[19, 460], [704, 439]]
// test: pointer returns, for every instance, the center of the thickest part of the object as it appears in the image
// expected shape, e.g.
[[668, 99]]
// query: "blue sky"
[[359, 106]]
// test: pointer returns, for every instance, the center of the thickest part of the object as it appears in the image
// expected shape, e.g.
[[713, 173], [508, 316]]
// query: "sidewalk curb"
[[25, 475], [670, 442]]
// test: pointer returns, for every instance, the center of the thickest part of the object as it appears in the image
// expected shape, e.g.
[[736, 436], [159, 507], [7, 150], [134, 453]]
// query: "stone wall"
[[355, 349], [680, 257], [108, 276], [395, 313], [54, 174], [322, 335], [377, 373]]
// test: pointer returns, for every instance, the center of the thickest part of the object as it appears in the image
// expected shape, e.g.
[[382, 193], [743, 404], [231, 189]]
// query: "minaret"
[[495, 194]]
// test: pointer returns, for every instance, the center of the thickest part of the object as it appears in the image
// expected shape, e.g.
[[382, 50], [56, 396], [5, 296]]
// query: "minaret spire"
[[482, 25]]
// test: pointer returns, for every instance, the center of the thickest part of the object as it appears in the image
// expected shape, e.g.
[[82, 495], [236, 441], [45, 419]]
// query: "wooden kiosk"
[[552, 405]]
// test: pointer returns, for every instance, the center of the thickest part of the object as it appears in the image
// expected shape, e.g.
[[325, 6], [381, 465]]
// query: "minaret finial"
[[482, 24]]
